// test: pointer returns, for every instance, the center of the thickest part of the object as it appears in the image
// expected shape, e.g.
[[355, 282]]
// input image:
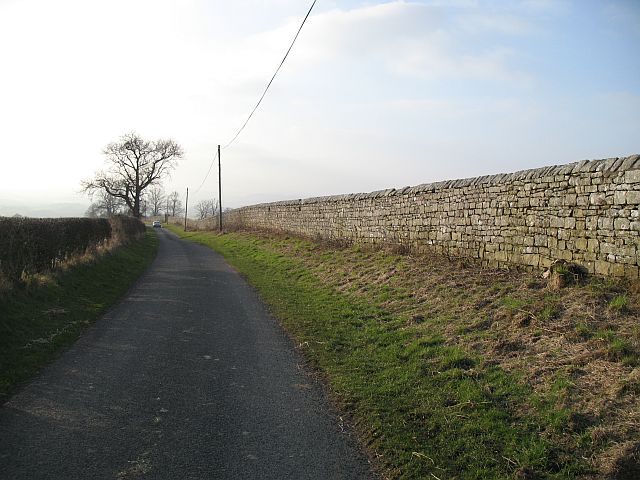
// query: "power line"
[[259, 101], [272, 78], [207, 175]]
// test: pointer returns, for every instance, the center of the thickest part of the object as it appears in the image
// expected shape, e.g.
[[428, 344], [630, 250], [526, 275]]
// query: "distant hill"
[[43, 209]]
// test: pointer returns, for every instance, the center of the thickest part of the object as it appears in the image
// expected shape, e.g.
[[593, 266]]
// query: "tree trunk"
[[136, 206]]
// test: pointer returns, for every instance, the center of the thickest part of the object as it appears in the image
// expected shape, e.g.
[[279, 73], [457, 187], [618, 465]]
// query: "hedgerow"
[[36, 245]]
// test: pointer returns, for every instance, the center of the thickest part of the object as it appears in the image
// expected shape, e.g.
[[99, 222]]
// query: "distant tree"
[[92, 211], [202, 208], [206, 209], [105, 205], [156, 200], [174, 204], [144, 207], [133, 165]]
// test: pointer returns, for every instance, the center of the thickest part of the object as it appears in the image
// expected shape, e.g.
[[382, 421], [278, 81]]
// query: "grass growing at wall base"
[[38, 321], [425, 405]]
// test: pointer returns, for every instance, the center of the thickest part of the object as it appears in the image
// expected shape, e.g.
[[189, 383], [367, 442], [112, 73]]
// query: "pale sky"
[[375, 94]]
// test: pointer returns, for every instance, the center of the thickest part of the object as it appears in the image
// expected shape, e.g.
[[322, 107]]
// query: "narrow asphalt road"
[[188, 377]]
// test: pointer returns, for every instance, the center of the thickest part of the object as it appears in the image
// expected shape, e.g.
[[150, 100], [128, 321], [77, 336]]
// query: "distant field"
[[450, 371], [39, 319]]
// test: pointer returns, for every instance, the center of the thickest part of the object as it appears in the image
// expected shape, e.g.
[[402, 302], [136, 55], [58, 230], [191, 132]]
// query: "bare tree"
[[156, 200], [206, 209], [202, 207], [144, 207], [104, 205], [174, 204], [134, 164], [92, 211]]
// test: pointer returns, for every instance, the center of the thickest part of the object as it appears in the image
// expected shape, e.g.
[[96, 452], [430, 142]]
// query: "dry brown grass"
[[193, 225]]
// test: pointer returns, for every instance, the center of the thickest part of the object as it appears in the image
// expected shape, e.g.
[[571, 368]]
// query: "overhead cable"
[[261, 98], [272, 78], [207, 175]]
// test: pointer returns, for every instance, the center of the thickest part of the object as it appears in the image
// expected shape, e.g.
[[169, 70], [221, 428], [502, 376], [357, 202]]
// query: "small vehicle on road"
[[157, 224]]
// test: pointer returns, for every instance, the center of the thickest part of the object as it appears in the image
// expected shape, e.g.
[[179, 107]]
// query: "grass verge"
[[40, 319], [449, 371]]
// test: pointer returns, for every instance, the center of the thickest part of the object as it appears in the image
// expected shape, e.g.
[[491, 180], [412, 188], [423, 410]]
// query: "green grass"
[[425, 408], [40, 319], [619, 302], [584, 331]]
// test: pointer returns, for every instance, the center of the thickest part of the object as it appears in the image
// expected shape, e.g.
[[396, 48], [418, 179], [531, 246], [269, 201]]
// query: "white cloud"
[[425, 61]]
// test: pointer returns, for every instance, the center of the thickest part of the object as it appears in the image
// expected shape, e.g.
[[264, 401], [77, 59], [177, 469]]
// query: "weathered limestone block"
[[632, 271], [540, 241], [581, 243], [616, 270], [633, 197], [593, 245], [621, 224], [598, 198], [632, 176], [605, 223]]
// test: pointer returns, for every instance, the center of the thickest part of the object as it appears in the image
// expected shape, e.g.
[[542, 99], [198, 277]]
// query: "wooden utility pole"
[[186, 209], [219, 191]]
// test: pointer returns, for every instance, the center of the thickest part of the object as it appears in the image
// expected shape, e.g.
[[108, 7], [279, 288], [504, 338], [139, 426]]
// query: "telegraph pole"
[[186, 209], [219, 190]]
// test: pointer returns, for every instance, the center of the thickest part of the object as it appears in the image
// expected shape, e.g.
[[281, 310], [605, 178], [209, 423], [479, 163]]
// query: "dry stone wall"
[[586, 212]]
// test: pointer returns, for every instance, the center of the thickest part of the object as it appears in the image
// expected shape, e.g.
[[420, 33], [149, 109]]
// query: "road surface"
[[188, 377]]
